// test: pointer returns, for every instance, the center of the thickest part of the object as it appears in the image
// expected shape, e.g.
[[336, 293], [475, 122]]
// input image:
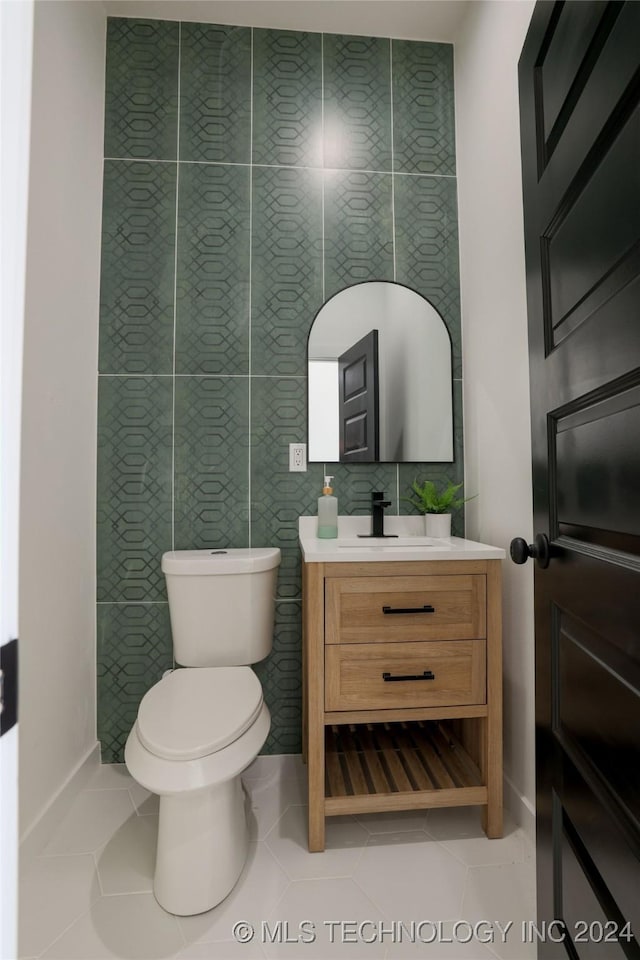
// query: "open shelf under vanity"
[[397, 766]]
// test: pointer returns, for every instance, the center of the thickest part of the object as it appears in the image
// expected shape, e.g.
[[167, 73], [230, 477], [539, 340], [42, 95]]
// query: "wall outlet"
[[297, 457]]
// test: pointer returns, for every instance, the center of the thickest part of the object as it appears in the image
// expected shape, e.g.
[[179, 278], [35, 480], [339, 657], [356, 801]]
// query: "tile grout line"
[[209, 376], [175, 307], [142, 603], [393, 179], [322, 177], [289, 166], [393, 220], [250, 305]]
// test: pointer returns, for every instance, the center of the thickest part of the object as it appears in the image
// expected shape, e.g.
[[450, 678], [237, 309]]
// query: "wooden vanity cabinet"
[[402, 688]]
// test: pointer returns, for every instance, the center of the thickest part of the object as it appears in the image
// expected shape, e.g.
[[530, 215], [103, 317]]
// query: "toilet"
[[198, 728]]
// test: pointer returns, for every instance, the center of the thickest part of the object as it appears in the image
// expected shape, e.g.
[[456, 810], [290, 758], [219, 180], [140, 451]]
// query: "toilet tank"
[[221, 604]]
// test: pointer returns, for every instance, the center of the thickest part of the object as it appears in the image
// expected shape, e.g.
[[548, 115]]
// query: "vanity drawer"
[[386, 609], [354, 674]]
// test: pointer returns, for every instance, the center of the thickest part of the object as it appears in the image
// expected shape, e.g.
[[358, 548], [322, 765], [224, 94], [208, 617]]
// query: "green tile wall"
[[249, 175]]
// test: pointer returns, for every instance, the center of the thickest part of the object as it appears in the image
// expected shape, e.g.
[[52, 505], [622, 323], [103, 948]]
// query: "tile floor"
[[88, 895]]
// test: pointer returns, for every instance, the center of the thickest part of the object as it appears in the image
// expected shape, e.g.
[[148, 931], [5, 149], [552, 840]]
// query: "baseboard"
[[36, 837], [521, 809]]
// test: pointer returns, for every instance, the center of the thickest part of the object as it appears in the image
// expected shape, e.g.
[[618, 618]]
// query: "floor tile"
[[92, 819], [121, 927], [261, 884], [269, 800], [378, 870], [411, 877], [442, 940], [505, 894], [127, 863], [53, 892], [476, 852], [317, 904], [111, 776], [286, 767], [454, 823], [146, 804], [345, 841], [400, 822], [229, 950]]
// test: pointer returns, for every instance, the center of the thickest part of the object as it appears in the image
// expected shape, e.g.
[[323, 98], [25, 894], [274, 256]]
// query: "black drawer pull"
[[426, 609], [426, 675]]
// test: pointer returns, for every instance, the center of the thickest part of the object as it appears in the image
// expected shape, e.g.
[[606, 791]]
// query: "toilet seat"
[[192, 714]]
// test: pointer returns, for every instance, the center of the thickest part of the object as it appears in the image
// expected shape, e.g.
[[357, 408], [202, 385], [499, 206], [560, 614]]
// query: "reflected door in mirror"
[[358, 400]]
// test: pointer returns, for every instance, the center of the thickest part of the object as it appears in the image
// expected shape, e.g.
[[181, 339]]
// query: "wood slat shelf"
[[394, 766]]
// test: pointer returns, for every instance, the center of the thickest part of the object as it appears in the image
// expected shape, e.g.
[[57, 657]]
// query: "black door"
[[358, 411], [580, 128]]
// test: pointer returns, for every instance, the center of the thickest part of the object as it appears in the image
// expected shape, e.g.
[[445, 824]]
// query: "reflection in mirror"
[[380, 385]]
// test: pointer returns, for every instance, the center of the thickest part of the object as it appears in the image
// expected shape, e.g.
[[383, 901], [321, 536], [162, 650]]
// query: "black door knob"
[[520, 550]]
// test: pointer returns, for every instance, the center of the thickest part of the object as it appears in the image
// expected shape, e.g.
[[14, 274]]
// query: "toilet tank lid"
[[220, 562]]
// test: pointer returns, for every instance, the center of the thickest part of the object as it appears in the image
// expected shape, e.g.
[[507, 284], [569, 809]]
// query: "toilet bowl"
[[200, 726], [196, 731]]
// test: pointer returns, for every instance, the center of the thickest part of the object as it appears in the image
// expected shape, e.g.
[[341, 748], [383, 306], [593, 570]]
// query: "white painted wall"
[[16, 42], [494, 326], [424, 20], [57, 516]]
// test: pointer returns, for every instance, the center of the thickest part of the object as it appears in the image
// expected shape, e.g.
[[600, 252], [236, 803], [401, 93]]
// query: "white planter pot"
[[437, 524]]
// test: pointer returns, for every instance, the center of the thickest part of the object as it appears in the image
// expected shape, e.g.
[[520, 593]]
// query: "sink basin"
[[388, 542]]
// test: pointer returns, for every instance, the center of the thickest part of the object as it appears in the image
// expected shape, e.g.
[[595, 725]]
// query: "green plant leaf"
[[429, 500]]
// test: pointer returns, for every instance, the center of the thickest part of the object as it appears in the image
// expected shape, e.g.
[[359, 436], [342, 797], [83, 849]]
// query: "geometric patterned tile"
[[357, 103], [353, 484], [458, 424], [138, 253], [281, 677], [134, 486], [141, 97], [427, 257], [216, 436], [212, 309], [278, 497], [211, 462], [215, 93], [286, 281], [358, 229], [423, 107], [287, 98], [134, 650]]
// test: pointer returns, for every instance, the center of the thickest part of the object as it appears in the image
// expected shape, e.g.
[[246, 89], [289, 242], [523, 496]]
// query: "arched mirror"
[[380, 387]]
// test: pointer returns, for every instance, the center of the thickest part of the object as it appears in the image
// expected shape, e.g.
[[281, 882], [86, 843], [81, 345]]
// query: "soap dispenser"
[[327, 512]]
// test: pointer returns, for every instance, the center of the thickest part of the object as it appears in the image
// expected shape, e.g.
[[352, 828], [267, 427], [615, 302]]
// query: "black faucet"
[[378, 504]]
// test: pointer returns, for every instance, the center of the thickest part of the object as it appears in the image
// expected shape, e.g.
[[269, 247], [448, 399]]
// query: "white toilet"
[[198, 729]]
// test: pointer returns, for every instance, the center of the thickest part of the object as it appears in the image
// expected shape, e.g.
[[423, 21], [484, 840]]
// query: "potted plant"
[[436, 505]]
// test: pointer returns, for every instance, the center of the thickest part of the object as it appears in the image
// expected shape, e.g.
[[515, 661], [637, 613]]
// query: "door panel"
[[595, 938], [580, 127], [598, 468], [359, 400]]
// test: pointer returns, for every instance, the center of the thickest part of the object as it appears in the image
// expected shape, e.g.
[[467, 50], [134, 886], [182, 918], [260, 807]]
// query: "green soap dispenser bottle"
[[327, 512]]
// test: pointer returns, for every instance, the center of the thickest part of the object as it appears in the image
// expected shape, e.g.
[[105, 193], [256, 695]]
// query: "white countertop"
[[348, 548]]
